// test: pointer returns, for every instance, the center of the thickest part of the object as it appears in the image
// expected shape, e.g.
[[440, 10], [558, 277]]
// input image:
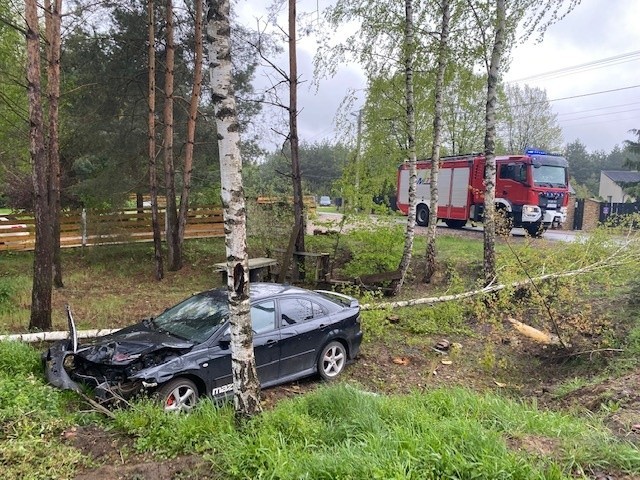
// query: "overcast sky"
[[602, 36]]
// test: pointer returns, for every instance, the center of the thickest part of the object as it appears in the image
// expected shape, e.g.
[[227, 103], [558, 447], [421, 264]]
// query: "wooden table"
[[259, 269]]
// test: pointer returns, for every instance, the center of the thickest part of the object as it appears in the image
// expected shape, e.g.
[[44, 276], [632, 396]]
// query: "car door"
[[266, 350], [303, 325]]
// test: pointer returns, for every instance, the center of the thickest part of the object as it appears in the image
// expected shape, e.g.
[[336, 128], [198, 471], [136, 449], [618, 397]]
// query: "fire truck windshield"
[[550, 176]]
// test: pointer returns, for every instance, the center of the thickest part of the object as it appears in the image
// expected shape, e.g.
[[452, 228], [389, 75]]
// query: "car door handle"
[[271, 342]]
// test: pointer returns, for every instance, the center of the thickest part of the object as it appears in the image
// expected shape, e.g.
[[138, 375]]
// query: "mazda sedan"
[[184, 353]]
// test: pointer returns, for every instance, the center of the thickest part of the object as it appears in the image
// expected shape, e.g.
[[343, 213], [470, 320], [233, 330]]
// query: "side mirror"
[[225, 341]]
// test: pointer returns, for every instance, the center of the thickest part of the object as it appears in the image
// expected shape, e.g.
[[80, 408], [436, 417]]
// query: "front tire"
[[422, 216], [535, 230], [332, 360], [178, 395]]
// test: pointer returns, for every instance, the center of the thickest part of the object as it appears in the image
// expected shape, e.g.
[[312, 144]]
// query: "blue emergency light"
[[535, 151]]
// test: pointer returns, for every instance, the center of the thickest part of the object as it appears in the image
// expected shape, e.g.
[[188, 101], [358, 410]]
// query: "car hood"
[[129, 344]]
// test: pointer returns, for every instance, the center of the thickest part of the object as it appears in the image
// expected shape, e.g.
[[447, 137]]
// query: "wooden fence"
[[84, 227]]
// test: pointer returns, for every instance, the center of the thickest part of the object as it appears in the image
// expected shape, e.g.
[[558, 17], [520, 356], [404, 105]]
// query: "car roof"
[[260, 290]]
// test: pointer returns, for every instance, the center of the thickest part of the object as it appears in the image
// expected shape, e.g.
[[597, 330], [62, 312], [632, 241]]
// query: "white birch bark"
[[411, 144], [246, 386], [490, 145], [437, 134]]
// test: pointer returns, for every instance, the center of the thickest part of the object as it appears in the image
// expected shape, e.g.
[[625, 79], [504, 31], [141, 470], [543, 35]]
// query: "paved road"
[[552, 235]]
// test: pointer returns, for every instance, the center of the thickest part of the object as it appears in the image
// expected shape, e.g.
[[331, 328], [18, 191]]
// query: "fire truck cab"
[[532, 190]]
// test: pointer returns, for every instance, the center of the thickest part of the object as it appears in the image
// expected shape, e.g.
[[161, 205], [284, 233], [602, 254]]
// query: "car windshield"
[[550, 176], [196, 318]]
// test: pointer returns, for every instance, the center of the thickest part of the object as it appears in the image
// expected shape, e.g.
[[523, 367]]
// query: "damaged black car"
[[184, 353]]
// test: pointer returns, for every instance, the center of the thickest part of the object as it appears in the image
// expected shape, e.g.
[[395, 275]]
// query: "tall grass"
[[32, 417], [341, 432]]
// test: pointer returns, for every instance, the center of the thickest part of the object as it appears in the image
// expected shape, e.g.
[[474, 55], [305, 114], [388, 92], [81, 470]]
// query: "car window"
[[194, 319], [263, 316], [297, 310]]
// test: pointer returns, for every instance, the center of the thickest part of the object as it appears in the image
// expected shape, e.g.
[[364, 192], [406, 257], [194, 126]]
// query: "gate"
[[578, 215]]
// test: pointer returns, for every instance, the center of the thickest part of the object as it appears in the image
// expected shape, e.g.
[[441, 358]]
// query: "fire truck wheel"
[[504, 223], [422, 216], [535, 230]]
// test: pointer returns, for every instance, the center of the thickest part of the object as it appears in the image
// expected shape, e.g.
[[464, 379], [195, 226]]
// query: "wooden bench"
[[259, 269], [320, 263]]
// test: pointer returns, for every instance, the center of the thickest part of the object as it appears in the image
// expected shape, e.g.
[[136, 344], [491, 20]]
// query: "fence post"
[[83, 222]]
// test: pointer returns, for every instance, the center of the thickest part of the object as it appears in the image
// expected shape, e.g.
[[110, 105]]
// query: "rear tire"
[[178, 395], [332, 360], [422, 215]]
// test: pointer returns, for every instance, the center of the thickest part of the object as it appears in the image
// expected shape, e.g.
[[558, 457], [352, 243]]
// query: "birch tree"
[[409, 52], [246, 386], [490, 144], [441, 67], [498, 31]]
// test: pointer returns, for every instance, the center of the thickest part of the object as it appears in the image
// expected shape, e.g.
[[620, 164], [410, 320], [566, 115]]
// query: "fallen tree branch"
[[533, 333], [613, 261], [54, 336], [591, 352]]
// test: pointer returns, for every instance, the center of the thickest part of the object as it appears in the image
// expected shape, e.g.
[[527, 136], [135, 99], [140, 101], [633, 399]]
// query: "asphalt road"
[[552, 235]]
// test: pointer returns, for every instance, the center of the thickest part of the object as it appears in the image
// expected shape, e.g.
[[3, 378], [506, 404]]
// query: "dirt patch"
[[618, 400], [111, 456]]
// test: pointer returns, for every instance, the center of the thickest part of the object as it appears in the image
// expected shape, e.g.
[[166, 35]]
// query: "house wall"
[[608, 188]]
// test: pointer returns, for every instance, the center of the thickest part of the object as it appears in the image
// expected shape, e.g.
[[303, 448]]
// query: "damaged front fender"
[[54, 367]]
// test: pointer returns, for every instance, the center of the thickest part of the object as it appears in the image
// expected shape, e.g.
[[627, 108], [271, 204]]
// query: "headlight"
[[530, 209]]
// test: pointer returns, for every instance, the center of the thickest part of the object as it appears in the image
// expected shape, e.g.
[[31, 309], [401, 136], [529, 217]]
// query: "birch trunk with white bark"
[[437, 134], [409, 52], [490, 145], [246, 386]]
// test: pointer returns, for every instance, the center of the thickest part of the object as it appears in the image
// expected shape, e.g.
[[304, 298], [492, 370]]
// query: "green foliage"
[[440, 319], [374, 250], [32, 416]]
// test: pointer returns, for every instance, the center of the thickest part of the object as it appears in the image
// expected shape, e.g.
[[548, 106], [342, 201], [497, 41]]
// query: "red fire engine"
[[532, 190]]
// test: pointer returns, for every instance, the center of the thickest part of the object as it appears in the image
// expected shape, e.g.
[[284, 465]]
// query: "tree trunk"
[[53, 20], [151, 120], [409, 235], [246, 387], [298, 205], [191, 124], [437, 134], [174, 254], [42, 260], [490, 145]]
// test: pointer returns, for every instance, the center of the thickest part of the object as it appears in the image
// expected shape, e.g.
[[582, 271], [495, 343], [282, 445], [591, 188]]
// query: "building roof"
[[622, 176]]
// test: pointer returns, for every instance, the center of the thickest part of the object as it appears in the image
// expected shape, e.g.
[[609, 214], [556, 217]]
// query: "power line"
[[605, 62], [576, 96], [598, 108], [600, 115]]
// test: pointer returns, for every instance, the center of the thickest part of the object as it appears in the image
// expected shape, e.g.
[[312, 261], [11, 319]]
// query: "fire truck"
[[532, 190]]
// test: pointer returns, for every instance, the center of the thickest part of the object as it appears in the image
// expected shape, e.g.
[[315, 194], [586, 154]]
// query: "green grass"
[[341, 432]]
